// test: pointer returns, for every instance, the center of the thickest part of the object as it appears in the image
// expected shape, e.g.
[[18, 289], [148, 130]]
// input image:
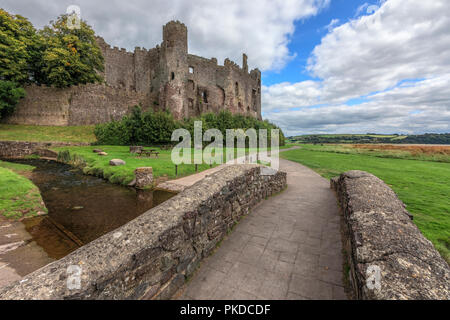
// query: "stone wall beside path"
[[389, 258], [151, 256]]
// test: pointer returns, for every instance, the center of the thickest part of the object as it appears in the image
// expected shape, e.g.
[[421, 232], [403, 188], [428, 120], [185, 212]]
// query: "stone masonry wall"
[[379, 233], [80, 105], [151, 256], [19, 149], [211, 87]]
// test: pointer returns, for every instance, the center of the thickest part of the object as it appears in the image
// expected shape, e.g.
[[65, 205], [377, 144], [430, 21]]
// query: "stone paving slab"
[[288, 247]]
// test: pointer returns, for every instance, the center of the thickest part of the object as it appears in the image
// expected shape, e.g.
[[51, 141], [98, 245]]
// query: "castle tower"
[[174, 67], [244, 63]]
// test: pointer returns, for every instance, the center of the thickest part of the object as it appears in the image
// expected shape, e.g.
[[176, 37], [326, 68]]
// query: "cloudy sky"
[[329, 66]]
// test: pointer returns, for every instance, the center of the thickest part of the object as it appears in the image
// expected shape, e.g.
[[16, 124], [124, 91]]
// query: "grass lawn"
[[99, 165], [47, 133], [424, 186], [19, 197]]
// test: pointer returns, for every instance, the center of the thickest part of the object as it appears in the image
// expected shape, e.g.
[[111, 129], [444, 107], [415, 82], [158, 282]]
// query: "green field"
[[422, 185], [47, 133], [400, 152], [99, 165], [19, 197]]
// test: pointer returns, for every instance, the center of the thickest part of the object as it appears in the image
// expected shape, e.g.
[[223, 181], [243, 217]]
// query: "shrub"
[[10, 94], [114, 133], [155, 127], [150, 128]]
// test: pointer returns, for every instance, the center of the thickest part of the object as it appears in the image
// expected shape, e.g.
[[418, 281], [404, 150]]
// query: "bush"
[[155, 128], [10, 94], [114, 133]]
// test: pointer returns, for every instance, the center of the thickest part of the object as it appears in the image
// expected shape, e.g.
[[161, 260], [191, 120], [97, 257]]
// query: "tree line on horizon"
[[427, 138]]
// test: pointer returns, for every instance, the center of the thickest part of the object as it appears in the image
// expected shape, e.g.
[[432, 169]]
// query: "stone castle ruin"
[[163, 78]]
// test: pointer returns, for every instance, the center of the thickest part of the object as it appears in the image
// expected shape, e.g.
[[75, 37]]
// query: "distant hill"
[[428, 138]]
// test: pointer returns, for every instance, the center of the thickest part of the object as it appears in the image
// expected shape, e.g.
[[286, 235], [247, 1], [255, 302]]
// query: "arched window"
[[191, 69], [172, 75], [236, 89]]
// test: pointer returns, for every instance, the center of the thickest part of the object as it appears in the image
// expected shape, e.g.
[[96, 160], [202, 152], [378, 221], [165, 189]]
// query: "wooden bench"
[[166, 147], [141, 151], [149, 153]]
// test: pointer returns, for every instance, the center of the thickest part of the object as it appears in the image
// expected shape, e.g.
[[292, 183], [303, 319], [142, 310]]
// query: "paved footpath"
[[288, 247]]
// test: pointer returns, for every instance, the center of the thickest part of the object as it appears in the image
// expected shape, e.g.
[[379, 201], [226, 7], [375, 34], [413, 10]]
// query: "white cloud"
[[410, 108], [216, 28], [375, 53], [333, 23], [361, 9]]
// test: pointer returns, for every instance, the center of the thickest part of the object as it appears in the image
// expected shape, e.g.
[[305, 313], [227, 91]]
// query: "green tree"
[[20, 49], [10, 94], [71, 55]]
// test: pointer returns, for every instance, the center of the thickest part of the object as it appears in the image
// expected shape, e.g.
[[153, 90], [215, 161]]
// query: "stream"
[[81, 208]]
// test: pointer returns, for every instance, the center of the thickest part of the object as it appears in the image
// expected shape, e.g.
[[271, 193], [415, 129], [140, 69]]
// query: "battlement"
[[175, 24]]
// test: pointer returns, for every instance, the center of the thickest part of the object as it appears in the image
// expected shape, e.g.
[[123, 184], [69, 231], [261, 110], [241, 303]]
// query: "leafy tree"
[[10, 94], [20, 49], [71, 55]]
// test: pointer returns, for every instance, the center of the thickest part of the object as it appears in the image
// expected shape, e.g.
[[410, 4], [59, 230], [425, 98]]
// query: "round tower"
[[175, 35], [175, 67]]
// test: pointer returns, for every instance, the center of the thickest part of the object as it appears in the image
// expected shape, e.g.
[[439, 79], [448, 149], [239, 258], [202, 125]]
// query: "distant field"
[[422, 152], [422, 185], [47, 133], [430, 138]]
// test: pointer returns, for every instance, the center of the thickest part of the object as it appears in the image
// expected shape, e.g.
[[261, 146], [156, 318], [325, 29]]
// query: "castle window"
[[236, 89], [205, 96], [191, 85], [173, 75], [191, 69]]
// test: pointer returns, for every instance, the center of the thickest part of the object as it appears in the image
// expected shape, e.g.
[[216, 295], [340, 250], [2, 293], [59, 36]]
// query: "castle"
[[163, 78]]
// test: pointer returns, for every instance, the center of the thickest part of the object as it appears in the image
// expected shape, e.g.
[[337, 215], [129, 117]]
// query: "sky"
[[328, 66]]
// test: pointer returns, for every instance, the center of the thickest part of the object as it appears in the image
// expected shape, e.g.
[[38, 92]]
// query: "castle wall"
[[226, 87], [119, 66], [80, 105]]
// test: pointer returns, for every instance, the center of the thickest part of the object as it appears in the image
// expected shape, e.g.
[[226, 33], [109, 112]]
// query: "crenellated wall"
[[226, 87]]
